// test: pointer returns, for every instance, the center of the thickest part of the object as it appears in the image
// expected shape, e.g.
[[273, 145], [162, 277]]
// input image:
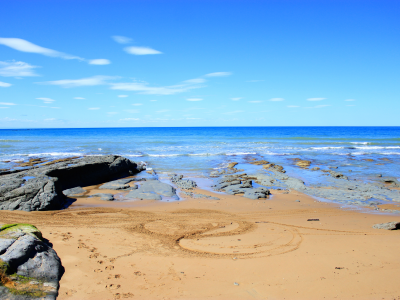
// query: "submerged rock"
[[40, 188], [26, 257]]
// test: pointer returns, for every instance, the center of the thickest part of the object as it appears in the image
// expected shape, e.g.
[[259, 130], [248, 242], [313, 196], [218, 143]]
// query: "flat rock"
[[24, 255], [76, 191], [103, 196], [186, 184], [153, 190], [119, 184], [388, 226]]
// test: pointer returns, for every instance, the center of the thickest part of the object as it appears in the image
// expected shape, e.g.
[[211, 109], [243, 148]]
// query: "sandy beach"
[[232, 248]]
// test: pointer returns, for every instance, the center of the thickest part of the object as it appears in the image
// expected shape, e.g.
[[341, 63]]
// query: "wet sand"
[[233, 248]]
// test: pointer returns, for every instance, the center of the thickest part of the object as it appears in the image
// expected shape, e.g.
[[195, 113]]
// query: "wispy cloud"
[[315, 99], [292, 106], [141, 50], [350, 100], [99, 61], [236, 99], [122, 96], [218, 74], [93, 108], [46, 100], [7, 103], [79, 98], [129, 119], [16, 69], [194, 99], [144, 88], [5, 84], [276, 99], [257, 101], [25, 46], [89, 81], [137, 104], [121, 39]]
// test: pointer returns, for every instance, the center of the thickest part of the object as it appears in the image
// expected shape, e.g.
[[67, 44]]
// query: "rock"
[[257, 193], [186, 184], [196, 196], [259, 162], [76, 191], [391, 181], [25, 257], [40, 187], [315, 169], [103, 196], [303, 163], [119, 184], [153, 190], [232, 164], [368, 159], [333, 167], [388, 226], [338, 175], [379, 175]]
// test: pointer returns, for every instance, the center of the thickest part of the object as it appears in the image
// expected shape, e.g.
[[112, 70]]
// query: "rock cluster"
[[29, 267], [185, 184], [40, 187]]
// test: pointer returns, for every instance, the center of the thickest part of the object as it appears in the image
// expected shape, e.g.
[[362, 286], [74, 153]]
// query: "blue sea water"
[[199, 150]]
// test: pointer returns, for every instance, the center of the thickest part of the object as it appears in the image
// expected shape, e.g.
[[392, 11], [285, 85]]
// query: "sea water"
[[197, 151]]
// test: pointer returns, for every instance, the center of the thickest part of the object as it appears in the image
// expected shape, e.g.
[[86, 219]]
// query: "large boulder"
[[29, 267], [40, 187]]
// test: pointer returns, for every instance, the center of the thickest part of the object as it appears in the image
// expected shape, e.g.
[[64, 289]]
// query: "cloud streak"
[[141, 50], [121, 39], [5, 84], [100, 61], [16, 69], [89, 81], [315, 99], [46, 100], [218, 74]]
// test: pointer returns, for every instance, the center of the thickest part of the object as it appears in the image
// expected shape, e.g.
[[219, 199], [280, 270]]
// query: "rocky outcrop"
[[185, 184], [236, 184], [153, 190], [303, 163], [29, 267], [40, 188]]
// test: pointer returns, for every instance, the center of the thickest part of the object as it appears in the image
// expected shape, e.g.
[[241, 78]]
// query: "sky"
[[67, 64]]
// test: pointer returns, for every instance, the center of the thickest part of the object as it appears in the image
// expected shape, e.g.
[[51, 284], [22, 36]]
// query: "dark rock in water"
[[153, 190], [76, 191], [40, 187], [186, 184], [388, 226], [119, 184], [103, 196], [25, 256], [338, 175]]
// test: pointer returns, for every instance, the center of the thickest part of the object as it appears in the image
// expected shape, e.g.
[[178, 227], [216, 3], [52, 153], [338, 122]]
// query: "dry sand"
[[234, 248]]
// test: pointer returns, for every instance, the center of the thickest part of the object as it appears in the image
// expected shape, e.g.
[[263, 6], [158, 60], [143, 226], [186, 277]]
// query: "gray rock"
[[338, 175], [392, 181], [40, 187], [29, 256], [185, 184], [119, 184], [257, 193], [76, 191], [198, 196], [388, 226], [153, 190], [103, 196]]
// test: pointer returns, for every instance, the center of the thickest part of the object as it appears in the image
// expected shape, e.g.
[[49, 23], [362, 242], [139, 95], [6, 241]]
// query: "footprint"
[[98, 271], [109, 267], [94, 255], [100, 262], [113, 286]]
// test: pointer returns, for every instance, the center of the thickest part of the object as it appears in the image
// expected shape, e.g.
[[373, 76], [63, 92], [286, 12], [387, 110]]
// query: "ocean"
[[358, 152]]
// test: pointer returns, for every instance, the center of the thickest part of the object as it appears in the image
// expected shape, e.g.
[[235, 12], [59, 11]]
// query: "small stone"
[[235, 283]]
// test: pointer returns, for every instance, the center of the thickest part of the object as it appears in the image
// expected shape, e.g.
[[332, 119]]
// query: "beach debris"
[[303, 163], [28, 265], [387, 226], [40, 188], [153, 190], [312, 219], [185, 184], [297, 200]]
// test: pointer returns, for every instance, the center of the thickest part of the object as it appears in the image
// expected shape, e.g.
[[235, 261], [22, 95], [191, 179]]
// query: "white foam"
[[240, 153]]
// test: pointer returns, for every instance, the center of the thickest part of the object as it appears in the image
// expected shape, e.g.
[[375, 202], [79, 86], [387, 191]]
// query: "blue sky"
[[199, 63]]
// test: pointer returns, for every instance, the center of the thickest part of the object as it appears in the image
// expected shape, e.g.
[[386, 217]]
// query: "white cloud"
[[350, 100], [112, 113], [195, 80], [93, 108], [129, 119], [276, 99], [25, 46], [99, 61], [89, 81], [132, 111], [218, 74], [194, 99], [79, 98], [233, 112], [121, 39], [122, 96], [141, 50], [236, 99], [254, 101], [5, 84], [16, 69], [7, 103], [137, 104], [46, 100], [292, 106], [144, 88], [315, 99]]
